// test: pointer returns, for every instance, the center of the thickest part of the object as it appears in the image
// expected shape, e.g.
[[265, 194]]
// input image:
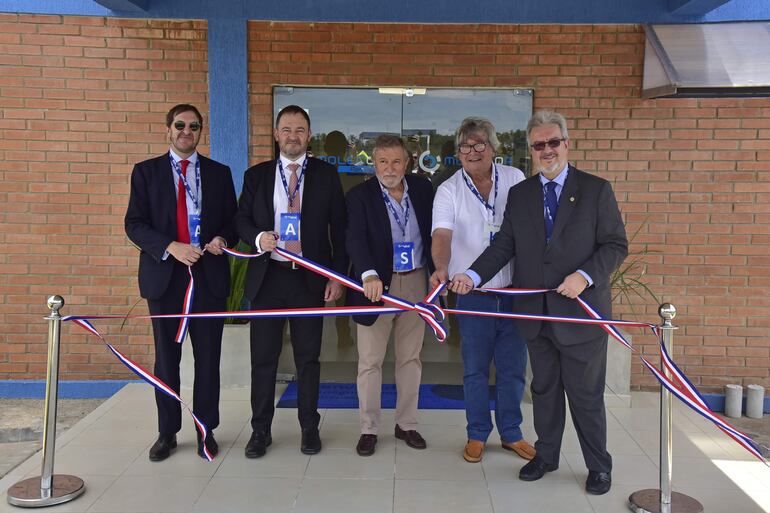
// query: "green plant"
[[628, 279], [237, 283]]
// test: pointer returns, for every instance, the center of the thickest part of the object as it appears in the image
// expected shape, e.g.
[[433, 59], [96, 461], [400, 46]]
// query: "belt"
[[291, 266], [404, 273]]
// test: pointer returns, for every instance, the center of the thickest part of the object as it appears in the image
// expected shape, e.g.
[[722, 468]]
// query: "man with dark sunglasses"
[[564, 230], [180, 215]]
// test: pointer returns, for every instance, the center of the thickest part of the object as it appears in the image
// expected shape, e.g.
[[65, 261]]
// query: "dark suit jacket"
[[322, 220], [588, 235], [150, 222], [369, 238]]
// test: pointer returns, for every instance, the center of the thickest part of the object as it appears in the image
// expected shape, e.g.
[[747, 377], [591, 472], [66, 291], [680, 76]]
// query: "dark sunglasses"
[[552, 143], [194, 126]]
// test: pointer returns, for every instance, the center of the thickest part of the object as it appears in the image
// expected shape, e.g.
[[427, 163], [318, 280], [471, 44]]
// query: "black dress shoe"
[[598, 483], [411, 437], [211, 445], [161, 449], [535, 469], [366, 445], [311, 441], [258, 444]]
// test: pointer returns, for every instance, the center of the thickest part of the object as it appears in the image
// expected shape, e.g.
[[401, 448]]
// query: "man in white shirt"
[[467, 213]]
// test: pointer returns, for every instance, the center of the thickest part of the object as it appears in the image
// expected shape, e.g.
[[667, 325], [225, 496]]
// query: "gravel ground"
[[21, 426]]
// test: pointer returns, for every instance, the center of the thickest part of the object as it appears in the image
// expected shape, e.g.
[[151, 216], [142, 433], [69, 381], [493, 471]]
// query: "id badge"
[[194, 224], [491, 229], [403, 256], [289, 226]]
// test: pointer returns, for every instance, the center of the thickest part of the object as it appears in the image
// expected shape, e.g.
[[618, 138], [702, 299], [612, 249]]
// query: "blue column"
[[228, 95]]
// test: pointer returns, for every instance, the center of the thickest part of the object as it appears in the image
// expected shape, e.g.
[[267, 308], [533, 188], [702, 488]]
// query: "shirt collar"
[[559, 179], [285, 162], [192, 158], [385, 189]]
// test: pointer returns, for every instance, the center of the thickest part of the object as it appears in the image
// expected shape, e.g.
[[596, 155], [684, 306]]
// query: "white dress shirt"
[[458, 209], [281, 200]]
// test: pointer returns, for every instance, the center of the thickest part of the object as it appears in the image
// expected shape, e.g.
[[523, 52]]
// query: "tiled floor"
[[108, 450]]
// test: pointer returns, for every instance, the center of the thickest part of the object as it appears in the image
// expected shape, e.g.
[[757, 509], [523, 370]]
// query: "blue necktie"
[[551, 205]]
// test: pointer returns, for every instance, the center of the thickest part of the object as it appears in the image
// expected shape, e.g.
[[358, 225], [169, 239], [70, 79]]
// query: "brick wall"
[[695, 174], [81, 100]]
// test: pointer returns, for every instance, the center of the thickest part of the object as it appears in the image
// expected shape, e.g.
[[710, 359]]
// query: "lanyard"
[[178, 169], [478, 195], [395, 214], [291, 197]]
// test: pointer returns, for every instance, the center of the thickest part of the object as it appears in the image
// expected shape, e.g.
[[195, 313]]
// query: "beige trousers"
[[408, 332]]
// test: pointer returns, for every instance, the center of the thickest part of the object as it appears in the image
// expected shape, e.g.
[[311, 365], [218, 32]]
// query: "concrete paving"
[[108, 450]]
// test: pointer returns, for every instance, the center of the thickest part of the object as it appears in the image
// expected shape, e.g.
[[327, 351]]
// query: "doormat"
[[344, 395]]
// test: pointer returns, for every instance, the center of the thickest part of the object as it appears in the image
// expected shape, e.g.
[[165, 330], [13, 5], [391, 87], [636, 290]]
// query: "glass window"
[[346, 121]]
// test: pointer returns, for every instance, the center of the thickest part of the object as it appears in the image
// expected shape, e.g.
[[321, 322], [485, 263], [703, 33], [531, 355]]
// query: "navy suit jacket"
[[588, 235], [369, 238], [150, 223], [322, 225]]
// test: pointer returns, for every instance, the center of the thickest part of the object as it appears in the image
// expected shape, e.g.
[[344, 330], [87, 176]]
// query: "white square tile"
[[345, 495], [93, 460], [241, 494], [346, 463], [435, 465], [556, 491], [145, 494], [280, 461], [413, 496]]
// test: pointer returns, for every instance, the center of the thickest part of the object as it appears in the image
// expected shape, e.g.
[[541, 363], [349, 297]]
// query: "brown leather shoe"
[[366, 444], [474, 450], [411, 437], [521, 447]]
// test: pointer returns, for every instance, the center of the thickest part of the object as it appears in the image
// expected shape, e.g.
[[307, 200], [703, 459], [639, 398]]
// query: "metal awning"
[[709, 60]]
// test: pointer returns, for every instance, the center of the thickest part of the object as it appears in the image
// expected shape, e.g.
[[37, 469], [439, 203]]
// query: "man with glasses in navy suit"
[[180, 215]]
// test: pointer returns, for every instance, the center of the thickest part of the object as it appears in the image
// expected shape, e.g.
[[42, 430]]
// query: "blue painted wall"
[[422, 11], [228, 95]]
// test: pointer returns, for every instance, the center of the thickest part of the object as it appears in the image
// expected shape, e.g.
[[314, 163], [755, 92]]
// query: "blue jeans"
[[484, 340]]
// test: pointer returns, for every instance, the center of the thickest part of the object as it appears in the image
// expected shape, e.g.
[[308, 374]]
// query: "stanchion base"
[[27, 493], [648, 501]]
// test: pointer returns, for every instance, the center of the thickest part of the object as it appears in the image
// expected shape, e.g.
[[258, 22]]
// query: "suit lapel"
[[268, 189], [536, 207], [567, 201], [168, 188], [381, 210]]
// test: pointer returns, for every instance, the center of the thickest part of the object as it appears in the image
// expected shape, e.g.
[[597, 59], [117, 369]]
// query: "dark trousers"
[[285, 288], [206, 337], [579, 370]]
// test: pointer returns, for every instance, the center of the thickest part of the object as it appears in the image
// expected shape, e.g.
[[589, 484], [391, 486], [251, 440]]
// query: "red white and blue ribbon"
[[146, 376], [184, 322], [433, 315]]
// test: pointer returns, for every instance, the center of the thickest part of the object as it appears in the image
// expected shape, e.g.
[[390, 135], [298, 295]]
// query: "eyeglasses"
[[552, 143], [194, 126], [478, 147]]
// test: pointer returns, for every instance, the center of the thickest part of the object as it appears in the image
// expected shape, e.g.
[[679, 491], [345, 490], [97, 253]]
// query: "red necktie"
[[294, 246], [182, 228]]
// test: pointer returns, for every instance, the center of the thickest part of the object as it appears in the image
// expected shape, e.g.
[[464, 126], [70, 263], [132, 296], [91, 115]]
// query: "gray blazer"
[[588, 235]]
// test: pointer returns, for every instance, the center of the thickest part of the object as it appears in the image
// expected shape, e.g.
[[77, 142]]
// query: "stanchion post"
[[48, 489], [664, 500]]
